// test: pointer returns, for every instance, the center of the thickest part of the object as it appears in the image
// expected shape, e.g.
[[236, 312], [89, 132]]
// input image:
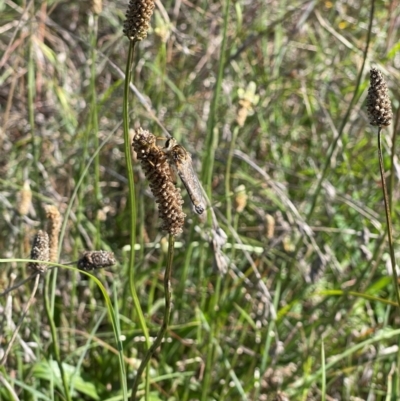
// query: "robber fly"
[[181, 160]]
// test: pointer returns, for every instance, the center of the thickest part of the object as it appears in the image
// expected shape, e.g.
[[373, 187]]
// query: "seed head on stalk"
[[40, 251], [379, 107], [137, 20], [157, 170]]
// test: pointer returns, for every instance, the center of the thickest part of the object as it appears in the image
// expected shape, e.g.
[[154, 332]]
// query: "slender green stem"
[[167, 314], [31, 108], [392, 156], [388, 220], [323, 373], [128, 160], [95, 122], [132, 203]]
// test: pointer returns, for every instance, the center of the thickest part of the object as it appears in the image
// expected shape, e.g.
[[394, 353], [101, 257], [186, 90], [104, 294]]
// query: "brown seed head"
[[378, 103], [40, 251], [137, 20], [91, 260], [53, 230], [158, 172]]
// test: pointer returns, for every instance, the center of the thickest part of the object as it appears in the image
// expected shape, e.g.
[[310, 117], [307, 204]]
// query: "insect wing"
[[183, 164]]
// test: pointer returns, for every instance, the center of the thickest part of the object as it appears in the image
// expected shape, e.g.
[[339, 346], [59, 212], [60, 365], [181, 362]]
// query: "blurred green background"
[[274, 116]]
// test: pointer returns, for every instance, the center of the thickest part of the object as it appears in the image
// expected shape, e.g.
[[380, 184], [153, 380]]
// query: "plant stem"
[[388, 219], [392, 156], [132, 203], [94, 123], [167, 313]]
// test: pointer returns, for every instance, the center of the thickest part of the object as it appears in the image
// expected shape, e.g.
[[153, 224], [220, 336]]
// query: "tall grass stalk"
[[166, 318], [94, 120], [323, 375], [388, 220], [31, 106], [392, 160], [132, 201]]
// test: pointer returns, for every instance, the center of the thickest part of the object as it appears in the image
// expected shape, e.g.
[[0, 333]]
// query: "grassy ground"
[[304, 309]]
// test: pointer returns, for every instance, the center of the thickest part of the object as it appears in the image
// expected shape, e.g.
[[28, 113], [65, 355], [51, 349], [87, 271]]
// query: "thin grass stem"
[[392, 156], [94, 123], [323, 373], [165, 323], [388, 219], [31, 106], [131, 186]]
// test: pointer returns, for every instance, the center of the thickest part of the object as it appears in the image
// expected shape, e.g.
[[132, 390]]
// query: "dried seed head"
[[40, 251], [97, 6], [91, 260], [270, 226], [137, 20], [53, 230], [240, 198], [24, 199], [158, 172], [378, 103]]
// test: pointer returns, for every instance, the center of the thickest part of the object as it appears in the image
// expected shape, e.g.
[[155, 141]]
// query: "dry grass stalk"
[[137, 20], [157, 170], [91, 260], [53, 230], [378, 103], [40, 251]]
